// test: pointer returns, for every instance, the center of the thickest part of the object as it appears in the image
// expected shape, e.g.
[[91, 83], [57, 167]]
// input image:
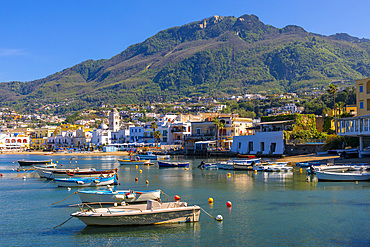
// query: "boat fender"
[[130, 196], [96, 181], [80, 182]]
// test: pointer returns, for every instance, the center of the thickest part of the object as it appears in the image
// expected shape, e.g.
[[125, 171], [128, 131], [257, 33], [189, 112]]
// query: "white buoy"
[[24, 177], [69, 189], [219, 217]]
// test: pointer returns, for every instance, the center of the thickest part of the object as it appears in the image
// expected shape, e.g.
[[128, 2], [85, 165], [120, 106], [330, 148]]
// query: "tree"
[[216, 122], [221, 126], [333, 89], [157, 136]]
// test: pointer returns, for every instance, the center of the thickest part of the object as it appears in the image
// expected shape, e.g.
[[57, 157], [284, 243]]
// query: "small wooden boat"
[[34, 162], [225, 165], [342, 176], [172, 164], [153, 212], [246, 156], [135, 162], [118, 196], [85, 173], [84, 182]]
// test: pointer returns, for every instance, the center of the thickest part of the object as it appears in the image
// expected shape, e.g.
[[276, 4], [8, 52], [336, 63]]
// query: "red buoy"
[[228, 204], [177, 198]]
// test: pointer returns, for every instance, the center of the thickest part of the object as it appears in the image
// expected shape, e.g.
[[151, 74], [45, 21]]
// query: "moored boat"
[[150, 156], [135, 162], [85, 173], [84, 182], [246, 164], [172, 164], [342, 176], [118, 196], [153, 212], [248, 156], [34, 162]]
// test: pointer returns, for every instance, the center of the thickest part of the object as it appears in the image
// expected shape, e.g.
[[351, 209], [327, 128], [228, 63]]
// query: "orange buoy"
[[186, 168], [140, 171], [146, 181], [1, 175], [210, 200], [17, 170], [136, 179], [177, 198], [137, 167], [255, 171], [229, 174], [228, 204], [300, 170]]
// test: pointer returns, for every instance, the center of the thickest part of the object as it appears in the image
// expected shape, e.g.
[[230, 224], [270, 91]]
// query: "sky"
[[42, 37]]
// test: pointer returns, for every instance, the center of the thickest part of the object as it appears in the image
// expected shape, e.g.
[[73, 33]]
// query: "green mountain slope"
[[213, 56]]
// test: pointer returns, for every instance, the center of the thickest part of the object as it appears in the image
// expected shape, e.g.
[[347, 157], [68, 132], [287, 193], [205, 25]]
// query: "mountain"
[[214, 56]]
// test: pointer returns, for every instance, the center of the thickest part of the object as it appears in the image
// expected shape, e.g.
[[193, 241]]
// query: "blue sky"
[[42, 37]]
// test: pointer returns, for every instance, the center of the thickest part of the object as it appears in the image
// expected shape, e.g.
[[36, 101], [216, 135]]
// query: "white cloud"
[[11, 52]]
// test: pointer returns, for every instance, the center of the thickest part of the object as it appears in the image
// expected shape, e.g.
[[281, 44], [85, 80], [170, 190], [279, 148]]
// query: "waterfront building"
[[114, 123], [14, 141], [101, 136], [39, 139], [359, 126]]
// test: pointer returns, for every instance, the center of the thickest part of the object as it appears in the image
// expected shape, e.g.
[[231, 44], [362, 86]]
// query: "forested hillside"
[[214, 56]]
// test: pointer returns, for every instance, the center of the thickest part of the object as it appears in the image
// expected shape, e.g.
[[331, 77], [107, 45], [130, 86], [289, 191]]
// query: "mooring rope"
[[64, 198], [220, 219], [48, 183], [165, 195], [63, 222]]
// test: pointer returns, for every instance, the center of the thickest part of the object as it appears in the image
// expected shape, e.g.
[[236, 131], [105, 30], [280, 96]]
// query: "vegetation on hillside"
[[214, 56]]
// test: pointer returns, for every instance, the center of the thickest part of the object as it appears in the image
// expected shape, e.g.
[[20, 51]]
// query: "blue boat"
[[84, 182], [172, 164]]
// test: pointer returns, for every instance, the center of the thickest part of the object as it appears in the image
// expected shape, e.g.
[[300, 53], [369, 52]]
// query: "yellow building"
[[351, 109], [363, 96], [39, 139]]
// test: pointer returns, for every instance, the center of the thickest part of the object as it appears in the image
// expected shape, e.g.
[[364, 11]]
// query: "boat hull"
[[84, 182], [135, 162], [173, 164], [336, 176], [33, 162], [144, 217], [118, 196]]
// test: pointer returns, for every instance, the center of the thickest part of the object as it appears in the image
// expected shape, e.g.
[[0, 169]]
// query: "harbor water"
[[268, 209]]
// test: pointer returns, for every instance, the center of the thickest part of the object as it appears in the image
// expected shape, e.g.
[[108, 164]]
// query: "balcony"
[[354, 126]]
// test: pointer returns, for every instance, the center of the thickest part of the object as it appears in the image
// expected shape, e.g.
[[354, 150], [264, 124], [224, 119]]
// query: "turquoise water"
[[268, 209]]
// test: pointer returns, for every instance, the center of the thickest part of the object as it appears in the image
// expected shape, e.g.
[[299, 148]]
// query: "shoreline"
[[291, 159]]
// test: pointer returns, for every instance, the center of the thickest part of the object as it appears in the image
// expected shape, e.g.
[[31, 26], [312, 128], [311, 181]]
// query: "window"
[[361, 105], [240, 145], [361, 88], [262, 146], [198, 131]]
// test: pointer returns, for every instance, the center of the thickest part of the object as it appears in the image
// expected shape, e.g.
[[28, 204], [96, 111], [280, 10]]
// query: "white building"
[[114, 124], [266, 143], [101, 136]]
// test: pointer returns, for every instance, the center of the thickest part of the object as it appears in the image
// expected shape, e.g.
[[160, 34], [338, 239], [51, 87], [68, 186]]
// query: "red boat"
[[246, 156]]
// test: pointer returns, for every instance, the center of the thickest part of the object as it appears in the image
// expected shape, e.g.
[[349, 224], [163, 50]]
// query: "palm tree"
[[157, 136], [154, 126], [221, 126], [216, 122], [333, 89]]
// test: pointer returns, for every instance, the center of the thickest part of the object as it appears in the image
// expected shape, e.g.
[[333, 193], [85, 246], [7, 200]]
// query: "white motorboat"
[[225, 165], [118, 196], [342, 176], [273, 167], [245, 164], [332, 168], [153, 212]]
